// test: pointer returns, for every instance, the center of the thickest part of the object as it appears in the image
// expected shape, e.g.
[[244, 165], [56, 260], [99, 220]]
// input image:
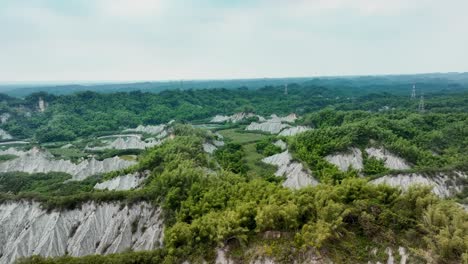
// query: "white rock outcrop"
[[392, 161], [281, 144], [345, 160], [4, 117], [13, 151], [218, 143], [292, 131], [35, 160], [296, 175], [159, 130], [444, 185], [234, 118], [209, 148], [4, 134], [278, 125], [128, 143], [272, 127], [26, 229], [291, 118], [402, 252], [122, 183]]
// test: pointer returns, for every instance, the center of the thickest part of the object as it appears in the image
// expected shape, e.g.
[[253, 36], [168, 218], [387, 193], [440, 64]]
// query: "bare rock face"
[[402, 252], [159, 130], [392, 161], [4, 118], [292, 131], [296, 175], [272, 127], [123, 183], [35, 160], [444, 185], [291, 118], [4, 134], [281, 144], [234, 118], [352, 158], [278, 125], [209, 148], [129, 143], [26, 229]]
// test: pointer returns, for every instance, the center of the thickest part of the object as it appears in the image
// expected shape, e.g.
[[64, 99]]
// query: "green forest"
[[84, 114]]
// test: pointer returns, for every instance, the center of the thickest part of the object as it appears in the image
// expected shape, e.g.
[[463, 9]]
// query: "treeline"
[[68, 117]]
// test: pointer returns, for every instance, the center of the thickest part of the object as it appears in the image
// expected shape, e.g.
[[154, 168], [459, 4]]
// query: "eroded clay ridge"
[[26, 229], [35, 161], [296, 175]]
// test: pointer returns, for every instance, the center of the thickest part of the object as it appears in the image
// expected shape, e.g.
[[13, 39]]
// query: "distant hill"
[[430, 82]]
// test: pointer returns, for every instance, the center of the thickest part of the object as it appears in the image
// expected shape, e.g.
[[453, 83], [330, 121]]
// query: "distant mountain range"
[[436, 81]]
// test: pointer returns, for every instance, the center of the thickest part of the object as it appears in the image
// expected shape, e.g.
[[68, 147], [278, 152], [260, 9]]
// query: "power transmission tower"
[[421, 104], [413, 93]]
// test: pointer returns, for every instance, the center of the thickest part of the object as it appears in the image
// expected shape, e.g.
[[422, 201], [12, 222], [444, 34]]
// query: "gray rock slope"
[[159, 130], [26, 229], [272, 127], [291, 131], [211, 146], [296, 175], [4, 134], [234, 118], [36, 160], [278, 125], [352, 158], [128, 143], [391, 161], [444, 185], [123, 183]]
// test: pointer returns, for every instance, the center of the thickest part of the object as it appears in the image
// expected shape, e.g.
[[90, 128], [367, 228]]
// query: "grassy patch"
[[7, 157], [253, 159], [67, 153], [237, 137]]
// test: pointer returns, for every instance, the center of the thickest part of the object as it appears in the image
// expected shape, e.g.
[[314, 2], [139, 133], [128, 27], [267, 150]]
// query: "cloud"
[[130, 9], [171, 39]]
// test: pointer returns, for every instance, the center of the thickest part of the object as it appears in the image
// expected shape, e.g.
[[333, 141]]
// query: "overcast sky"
[[77, 40]]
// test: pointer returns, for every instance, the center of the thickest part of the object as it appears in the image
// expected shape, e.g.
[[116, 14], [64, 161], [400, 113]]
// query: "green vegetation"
[[50, 185], [241, 137], [257, 168], [430, 141], [230, 157], [267, 148], [83, 114], [7, 157]]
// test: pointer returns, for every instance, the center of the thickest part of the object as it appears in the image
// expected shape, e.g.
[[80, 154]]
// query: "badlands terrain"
[[234, 176]]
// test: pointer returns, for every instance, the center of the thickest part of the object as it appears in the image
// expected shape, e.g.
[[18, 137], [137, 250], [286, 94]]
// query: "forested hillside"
[[68, 117]]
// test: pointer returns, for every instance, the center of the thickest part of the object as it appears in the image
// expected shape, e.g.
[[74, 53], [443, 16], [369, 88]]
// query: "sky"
[[131, 40]]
